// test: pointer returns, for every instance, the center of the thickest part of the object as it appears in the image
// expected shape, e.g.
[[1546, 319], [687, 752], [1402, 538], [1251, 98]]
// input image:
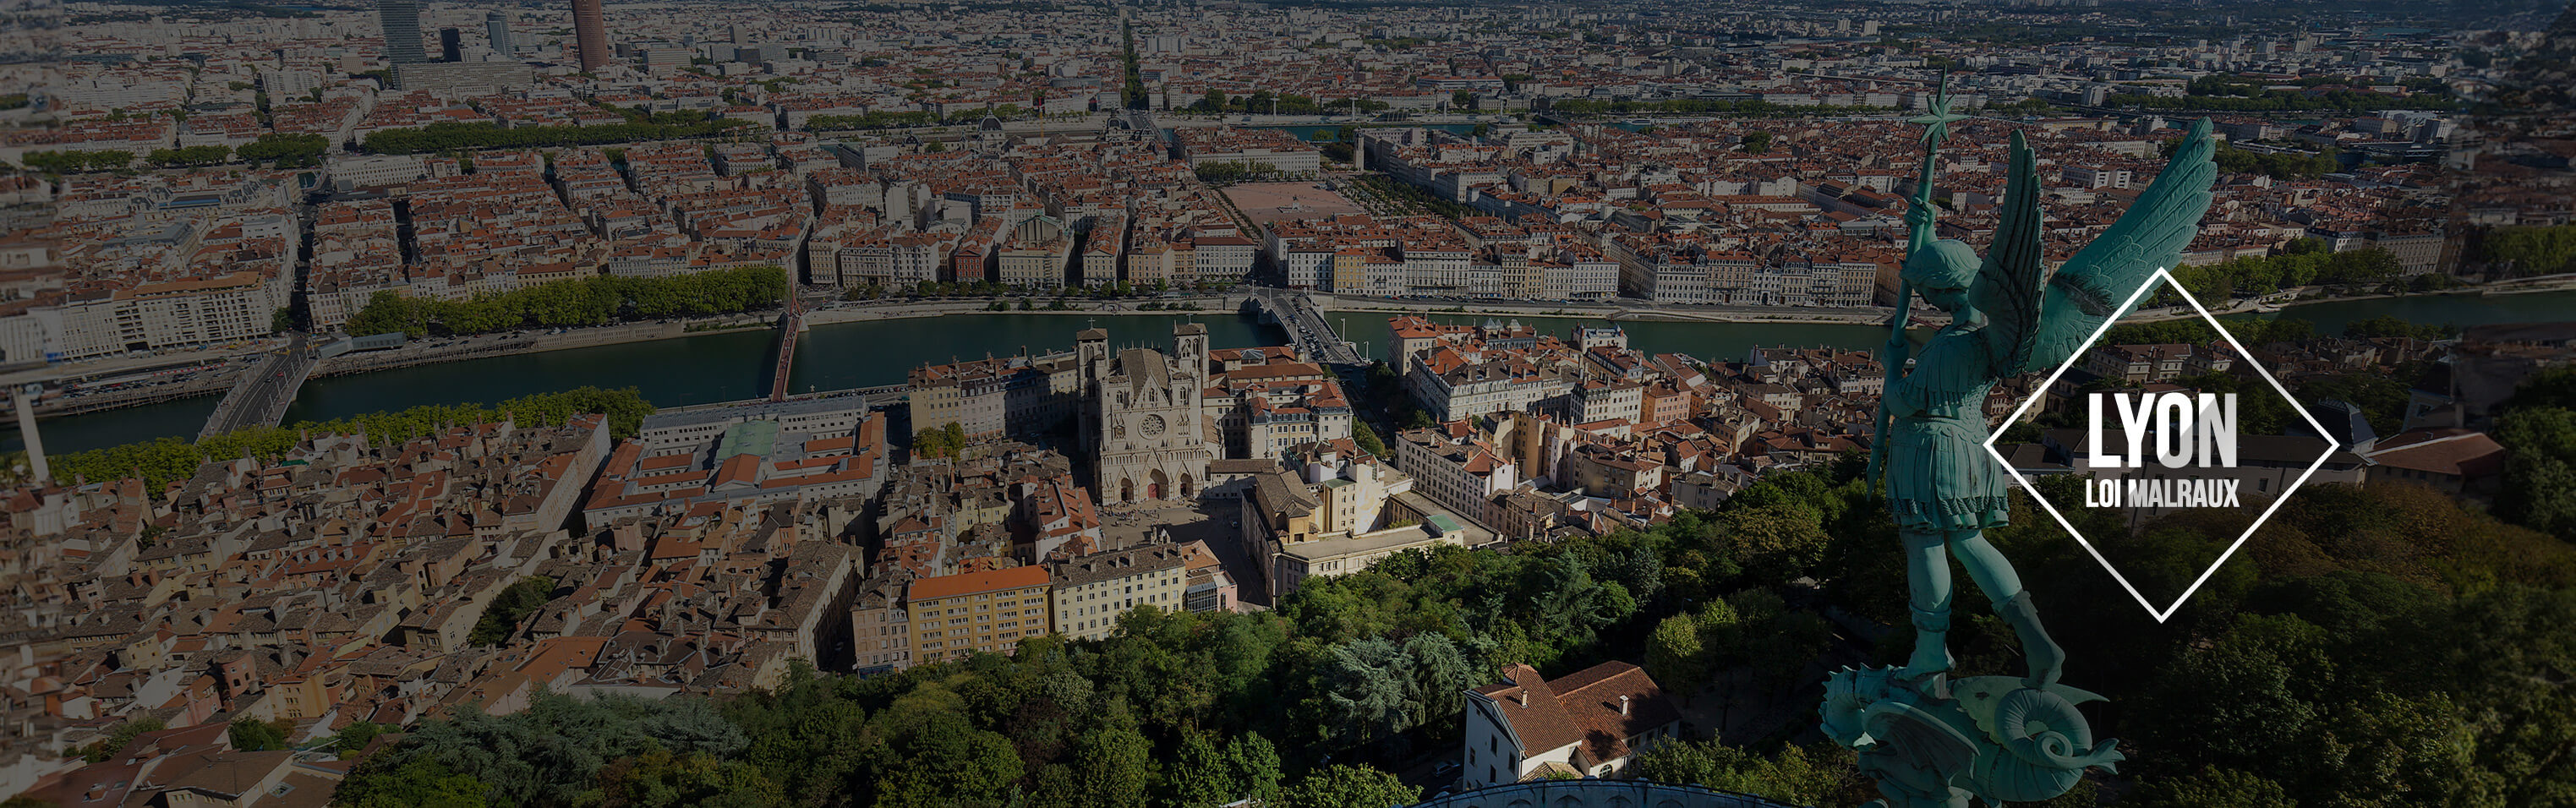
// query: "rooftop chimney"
[[1524, 697], [1623, 705]]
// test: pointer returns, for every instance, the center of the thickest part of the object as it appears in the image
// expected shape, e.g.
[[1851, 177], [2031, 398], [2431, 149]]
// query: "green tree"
[[1200, 776], [1797, 775], [1115, 766], [190, 156], [75, 161], [252, 735], [106, 748], [1255, 763], [2214, 787], [2523, 251], [580, 302], [354, 737], [1343, 786], [450, 137], [660, 779], [1367, 439], [501, 619], [417, 782], [285, 150], [2250, 699], [2539, 487], [1675, 657]]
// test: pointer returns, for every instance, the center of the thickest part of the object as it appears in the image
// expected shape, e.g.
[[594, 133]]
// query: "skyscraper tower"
[[401, 20], [590, 34], [499, 27]]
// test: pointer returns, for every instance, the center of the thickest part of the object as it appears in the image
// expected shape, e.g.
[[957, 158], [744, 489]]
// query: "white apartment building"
[[1092, 590], [1458, 475]]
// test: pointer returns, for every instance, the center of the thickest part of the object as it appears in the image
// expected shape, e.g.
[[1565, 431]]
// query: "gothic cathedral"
[[1141, 418]]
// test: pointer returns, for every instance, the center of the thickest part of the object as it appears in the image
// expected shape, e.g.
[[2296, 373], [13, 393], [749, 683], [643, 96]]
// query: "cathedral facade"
[[1141, 420]]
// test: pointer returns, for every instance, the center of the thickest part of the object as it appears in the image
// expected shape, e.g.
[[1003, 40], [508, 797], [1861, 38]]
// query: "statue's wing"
[[2150, 236], [2008, 286], [1921, 739]]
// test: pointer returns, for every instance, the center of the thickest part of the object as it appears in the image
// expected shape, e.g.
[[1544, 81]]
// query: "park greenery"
[[162, 462], [1699, 106], [2279, 165], [2304, 262], [986, 288], [873, 119], [103, 749], [514, 603], [942, 441], [2370, 647], [2538, 432], [1229, 172], [1131, 87], [284, 150], [438, 138], [190, 156], [1410, 198], [1265, 102], [75, 161], [356, 736], [1367, 438], [2529, 250], [2316, 94], [596, 300], [254, 735]]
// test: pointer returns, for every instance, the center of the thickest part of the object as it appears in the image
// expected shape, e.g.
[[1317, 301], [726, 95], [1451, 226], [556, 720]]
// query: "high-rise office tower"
[[499, 27], [451, 45], [590, 34], [401, 20]]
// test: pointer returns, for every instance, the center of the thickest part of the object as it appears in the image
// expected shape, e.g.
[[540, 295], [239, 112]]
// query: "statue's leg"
[[1995, 576], [1928, 575]]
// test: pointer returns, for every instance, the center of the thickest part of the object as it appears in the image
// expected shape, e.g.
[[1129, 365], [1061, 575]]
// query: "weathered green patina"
[[1931, 742]]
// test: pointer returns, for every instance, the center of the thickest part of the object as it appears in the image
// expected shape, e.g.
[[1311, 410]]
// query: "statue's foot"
[[2047, 660], [2047, 663], [1931, 655]]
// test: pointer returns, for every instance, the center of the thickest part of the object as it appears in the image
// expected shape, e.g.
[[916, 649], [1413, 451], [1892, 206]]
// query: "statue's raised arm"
[[2050, 321]]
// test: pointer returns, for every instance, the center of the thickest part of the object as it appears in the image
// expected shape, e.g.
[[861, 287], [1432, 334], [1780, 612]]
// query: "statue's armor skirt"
[[1940, 477]]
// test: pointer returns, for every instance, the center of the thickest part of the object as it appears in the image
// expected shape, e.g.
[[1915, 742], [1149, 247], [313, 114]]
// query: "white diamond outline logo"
[[2040, 394]]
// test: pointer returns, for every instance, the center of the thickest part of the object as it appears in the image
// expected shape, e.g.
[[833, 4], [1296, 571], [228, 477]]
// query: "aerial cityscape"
[[1345, 404]]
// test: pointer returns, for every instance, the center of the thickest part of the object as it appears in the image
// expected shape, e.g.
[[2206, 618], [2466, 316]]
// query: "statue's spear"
[[1892, 357]]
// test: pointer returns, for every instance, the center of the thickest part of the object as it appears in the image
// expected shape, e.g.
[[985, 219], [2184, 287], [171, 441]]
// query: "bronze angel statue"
[[2008, 316], [1928, 741]]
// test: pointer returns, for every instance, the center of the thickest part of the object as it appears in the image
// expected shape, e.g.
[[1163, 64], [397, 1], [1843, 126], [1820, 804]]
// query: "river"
[[732, 365]]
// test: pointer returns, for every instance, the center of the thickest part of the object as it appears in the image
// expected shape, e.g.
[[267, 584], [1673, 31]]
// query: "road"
[[262, 397], [788, 325], [1623, 308], [1307, 328]]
